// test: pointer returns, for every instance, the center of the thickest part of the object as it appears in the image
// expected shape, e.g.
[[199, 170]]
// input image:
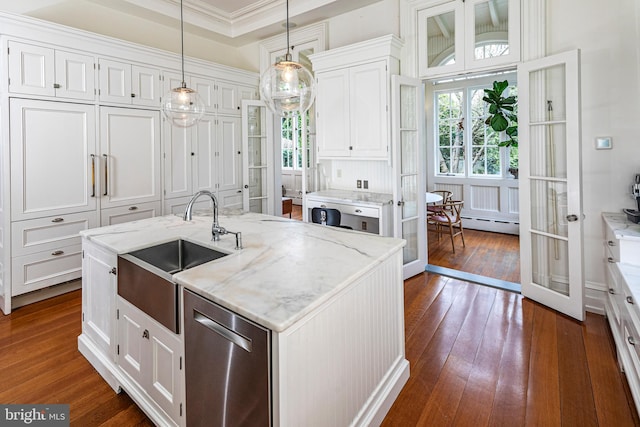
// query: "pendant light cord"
[[288, 55], [184, 84]]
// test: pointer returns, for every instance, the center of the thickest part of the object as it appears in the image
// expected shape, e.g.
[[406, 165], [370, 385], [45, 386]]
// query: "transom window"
[[465, 144]]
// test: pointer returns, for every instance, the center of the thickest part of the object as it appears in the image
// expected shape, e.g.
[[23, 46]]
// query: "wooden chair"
[[447, 219], [446, 197]]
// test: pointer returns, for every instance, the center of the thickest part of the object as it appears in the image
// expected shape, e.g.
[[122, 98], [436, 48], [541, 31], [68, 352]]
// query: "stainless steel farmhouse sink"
[[144, 276]]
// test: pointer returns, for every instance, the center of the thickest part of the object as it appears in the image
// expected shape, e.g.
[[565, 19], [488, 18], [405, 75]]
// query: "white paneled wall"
[[489, 204], [334, 365]]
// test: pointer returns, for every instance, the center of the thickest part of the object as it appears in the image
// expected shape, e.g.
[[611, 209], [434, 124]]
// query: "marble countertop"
[[623, 228], [361, 197], [286, 269]]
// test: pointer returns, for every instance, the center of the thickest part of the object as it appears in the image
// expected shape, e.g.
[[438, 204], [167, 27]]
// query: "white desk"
[[432, 197]]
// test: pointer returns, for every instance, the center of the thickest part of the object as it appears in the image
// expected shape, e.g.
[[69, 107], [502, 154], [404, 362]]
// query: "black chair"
[[327, 216]]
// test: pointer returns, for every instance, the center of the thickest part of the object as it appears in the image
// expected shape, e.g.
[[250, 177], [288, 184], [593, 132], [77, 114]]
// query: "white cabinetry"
[[152, 356], [38, 70], [458, 35], [622, 258], [99, 282], [130, 156], [352, 104], [258, 183], [206, 156], [125, 83]]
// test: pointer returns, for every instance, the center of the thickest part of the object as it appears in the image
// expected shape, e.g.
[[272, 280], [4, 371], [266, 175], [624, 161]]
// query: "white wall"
[[608, 34]]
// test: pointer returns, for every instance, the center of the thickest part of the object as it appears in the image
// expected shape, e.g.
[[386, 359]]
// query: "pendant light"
[[182, 106], [287, 87]]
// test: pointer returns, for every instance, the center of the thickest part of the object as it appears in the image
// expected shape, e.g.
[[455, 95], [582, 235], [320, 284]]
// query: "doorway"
[[468, 158]]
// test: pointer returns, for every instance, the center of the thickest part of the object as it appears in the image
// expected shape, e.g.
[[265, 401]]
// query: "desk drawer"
[[47, 234], [359, 210]]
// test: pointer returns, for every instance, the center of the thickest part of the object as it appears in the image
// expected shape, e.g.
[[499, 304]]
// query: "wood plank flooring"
[[478, 357]]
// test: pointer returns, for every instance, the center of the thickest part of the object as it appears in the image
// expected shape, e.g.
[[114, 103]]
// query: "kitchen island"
[[332, 300]]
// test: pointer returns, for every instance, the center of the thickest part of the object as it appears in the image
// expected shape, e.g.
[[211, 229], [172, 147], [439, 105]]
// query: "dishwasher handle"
[[222, 330]]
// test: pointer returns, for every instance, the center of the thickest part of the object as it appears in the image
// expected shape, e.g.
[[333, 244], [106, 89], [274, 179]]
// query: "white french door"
[[407, 122], [551, 226]]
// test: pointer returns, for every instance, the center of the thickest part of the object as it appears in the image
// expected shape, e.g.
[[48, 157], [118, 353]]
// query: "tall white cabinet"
[[83, 143]]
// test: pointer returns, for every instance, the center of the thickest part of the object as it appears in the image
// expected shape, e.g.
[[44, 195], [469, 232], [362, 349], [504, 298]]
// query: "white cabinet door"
[[98, 297], [228, 154], [130, 156], [207, 91], [152, 356], [228, 100], [204, 162], [257, 158], [129, 84], [115, 81], [44, 71], [51, 156], [178, 156], [145, 86], [368, 110], [332, 112]]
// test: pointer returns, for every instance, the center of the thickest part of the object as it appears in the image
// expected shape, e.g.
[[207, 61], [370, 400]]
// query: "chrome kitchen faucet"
[[216, 229]]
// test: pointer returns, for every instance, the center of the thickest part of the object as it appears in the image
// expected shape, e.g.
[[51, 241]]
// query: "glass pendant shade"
[[183, 106], [288, 88]]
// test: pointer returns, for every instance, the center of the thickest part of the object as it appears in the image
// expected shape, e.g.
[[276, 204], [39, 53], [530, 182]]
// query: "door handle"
[[400, 202], [106, 175], [572, 218], [93, 175], [221, 330]]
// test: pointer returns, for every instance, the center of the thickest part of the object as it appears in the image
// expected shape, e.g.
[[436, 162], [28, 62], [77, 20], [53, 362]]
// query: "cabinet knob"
[[133, 95], [631, 340], [246, 186], [611, 260], [113, 271], [612, 291], [630, 300], [133, 208], [358, 211], [56, 86], [572, 218], [145, 334], [401, 203], [611, 243]]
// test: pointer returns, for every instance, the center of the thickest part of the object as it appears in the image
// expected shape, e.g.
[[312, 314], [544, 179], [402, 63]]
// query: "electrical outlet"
[[364, 226], [366, 184], [359, 183]]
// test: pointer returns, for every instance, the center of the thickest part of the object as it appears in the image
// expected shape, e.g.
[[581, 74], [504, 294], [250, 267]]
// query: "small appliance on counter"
[[634, 215]]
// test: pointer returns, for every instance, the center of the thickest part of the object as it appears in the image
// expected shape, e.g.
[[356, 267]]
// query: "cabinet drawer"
[[612, 244], [45, 234], [615, 294], [47, 268], [133, 212], [358, 210]]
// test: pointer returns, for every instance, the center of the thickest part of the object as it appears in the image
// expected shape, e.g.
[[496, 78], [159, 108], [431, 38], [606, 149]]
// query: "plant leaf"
[[499, 122]]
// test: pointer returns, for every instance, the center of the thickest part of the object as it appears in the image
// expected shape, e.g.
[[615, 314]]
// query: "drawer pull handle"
[[57, 253], [630, 300], [145, 334], [323, 206], [133, 208], [358, 211], [93, 175], [57, 220], [611, 260], [631, 340], [611, 243], [56, 86], [611, 291]]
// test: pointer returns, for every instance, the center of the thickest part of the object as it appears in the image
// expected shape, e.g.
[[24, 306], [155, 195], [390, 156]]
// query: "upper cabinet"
[[44, 71], [121, 82], [469, 35], [352, 103]]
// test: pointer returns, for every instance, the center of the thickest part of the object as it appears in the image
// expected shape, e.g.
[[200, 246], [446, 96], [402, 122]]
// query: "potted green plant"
[[503, 116]]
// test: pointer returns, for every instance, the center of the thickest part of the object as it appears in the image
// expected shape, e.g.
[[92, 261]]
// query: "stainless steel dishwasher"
[[227, 367]]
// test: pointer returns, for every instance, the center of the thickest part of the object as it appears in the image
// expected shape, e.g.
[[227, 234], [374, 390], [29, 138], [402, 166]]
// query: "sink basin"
[[177, 255], [144, 277]]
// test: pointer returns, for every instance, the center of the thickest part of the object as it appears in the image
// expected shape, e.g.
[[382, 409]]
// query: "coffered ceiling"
[[235, 22]]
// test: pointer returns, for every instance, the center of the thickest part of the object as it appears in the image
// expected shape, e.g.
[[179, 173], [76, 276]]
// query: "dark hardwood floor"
[[479, 356]]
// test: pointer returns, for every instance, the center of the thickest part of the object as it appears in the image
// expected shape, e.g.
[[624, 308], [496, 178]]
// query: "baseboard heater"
[[487, 224]]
